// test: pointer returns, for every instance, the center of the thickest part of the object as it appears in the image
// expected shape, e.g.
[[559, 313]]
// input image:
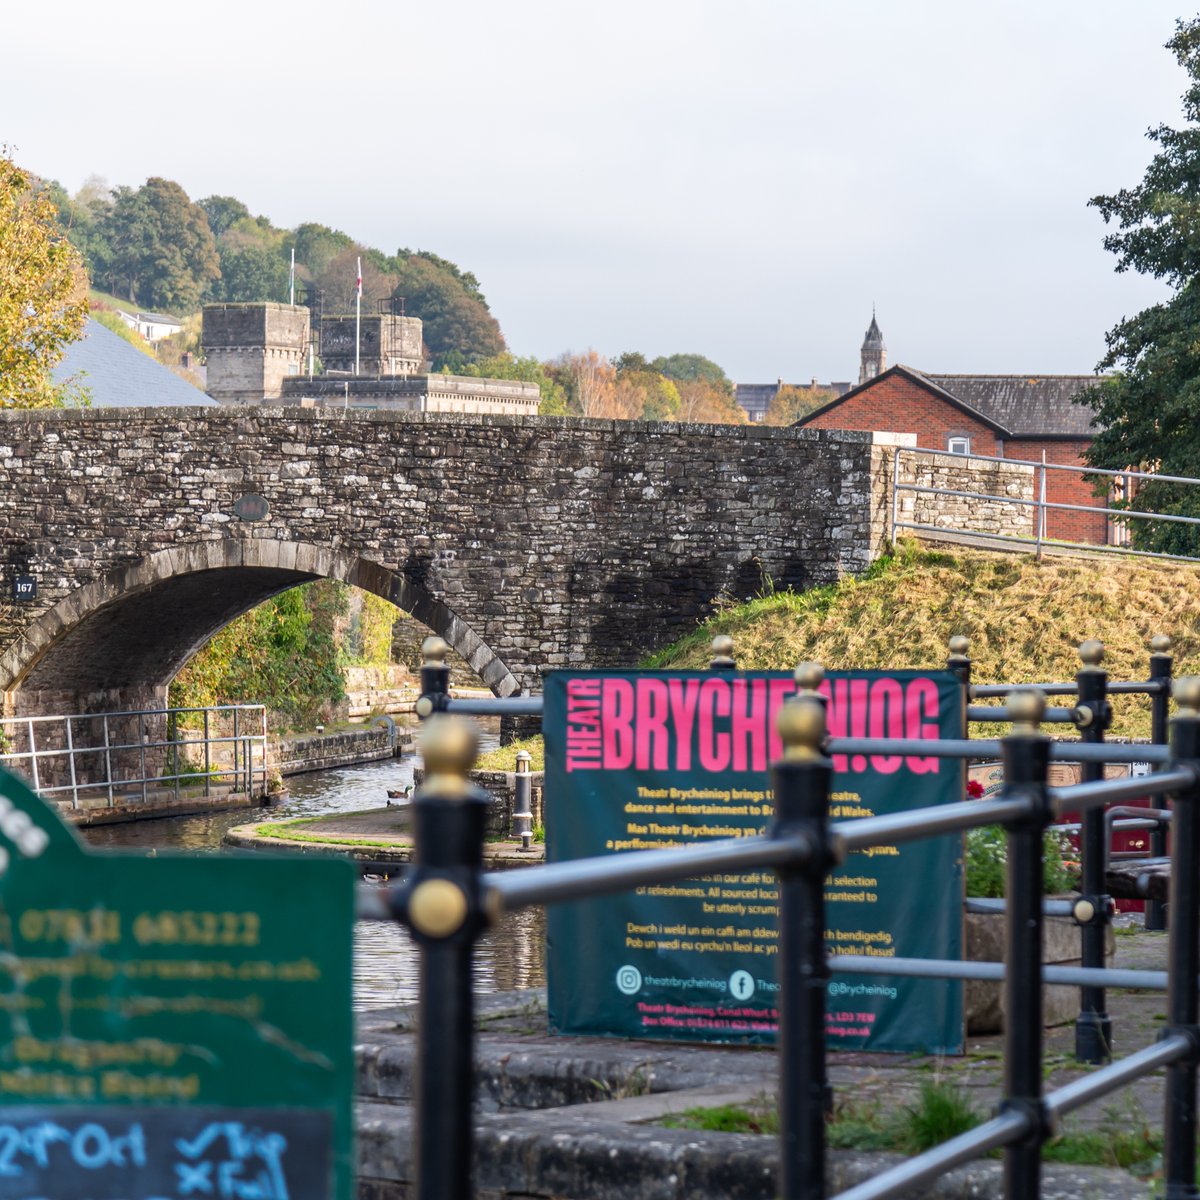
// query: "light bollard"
[[801, 781], [441, 903], [522, 802]]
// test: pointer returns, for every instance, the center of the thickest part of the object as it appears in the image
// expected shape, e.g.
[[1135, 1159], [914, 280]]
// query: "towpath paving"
[[577, 1117]]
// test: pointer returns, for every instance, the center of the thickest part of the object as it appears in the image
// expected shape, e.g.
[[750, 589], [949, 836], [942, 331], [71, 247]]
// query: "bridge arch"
[[135, 627]]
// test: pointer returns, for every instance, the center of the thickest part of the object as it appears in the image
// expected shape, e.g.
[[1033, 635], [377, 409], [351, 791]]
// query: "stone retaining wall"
[[320, 752]]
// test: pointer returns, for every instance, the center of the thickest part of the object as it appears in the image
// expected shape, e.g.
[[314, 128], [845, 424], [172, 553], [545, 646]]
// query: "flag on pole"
[[358, 285]]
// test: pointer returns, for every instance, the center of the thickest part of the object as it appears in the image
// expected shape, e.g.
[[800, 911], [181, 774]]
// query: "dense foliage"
[[282, 654], [43, 292], [1147, 412], [164, 251]]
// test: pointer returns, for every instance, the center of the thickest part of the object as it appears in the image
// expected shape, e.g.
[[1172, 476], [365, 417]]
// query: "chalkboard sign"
[[171, 1026], [49, 1153]]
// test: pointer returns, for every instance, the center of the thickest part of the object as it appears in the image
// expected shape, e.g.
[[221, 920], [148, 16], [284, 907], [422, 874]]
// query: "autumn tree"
[[43, 291], [702, 400], [590, 381], [1146, 413], [790, 403]]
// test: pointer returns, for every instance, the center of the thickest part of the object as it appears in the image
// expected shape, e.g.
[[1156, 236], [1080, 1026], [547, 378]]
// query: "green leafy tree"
[[1146, 412], [223, 212], [454, 319], [282, 654], [688, 368], [43, 291], [553, 401], [316, 247], [162, 253]]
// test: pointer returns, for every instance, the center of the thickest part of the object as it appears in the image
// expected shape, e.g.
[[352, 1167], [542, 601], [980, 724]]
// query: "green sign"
[[178, 1026], [638, 761]]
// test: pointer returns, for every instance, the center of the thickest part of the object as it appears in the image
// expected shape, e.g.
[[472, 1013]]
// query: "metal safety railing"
[[1116, 541], [447, 902], [102, 756]]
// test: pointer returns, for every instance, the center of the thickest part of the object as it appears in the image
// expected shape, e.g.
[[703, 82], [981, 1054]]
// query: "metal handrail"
[[249, 750]]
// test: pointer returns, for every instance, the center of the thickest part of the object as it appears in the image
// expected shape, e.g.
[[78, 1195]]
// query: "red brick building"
[[1001, 416]]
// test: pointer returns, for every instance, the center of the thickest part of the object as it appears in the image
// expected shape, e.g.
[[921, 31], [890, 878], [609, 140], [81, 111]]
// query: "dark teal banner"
[[647, 760]]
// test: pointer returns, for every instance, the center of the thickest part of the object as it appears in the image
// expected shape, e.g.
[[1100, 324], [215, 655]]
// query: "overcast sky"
[[739, 180]]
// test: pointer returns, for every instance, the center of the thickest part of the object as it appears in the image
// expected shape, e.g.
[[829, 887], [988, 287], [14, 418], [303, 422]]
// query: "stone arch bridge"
[[526, 543]]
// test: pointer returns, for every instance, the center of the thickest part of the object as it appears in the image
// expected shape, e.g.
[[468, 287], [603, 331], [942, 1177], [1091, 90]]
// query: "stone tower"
[[873, 356], [252, 348]]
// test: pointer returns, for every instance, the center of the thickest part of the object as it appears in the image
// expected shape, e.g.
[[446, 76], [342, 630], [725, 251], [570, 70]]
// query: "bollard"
[[1161, 664], [522, 804], [801, 782], [1026, 753], [722, 654], [1179, 1154], [1093, 909], [435, 678], [959, 663], [440, 902]]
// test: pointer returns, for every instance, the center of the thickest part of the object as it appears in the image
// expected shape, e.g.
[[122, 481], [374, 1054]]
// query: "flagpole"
[[292, 279], [358, 317]]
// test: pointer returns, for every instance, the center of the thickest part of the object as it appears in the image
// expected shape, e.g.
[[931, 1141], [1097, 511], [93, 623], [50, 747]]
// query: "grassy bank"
[[1025, 620]]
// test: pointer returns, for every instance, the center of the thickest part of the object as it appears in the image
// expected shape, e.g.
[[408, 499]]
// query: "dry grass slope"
[[1025, 620]]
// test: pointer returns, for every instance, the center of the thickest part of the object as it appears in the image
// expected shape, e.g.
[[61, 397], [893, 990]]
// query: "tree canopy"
[[1147, 412], [43, 291], [160, 249]]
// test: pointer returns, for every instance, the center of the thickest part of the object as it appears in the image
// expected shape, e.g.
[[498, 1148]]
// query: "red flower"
[[974, 789]]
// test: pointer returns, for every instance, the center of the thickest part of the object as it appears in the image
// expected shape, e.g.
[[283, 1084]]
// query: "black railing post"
[[1179, 1155], [1093, 714], [1026, 754], [440, 902], [435, 678], [801, 782], [1160, 702], [722, 654], [959, 663]]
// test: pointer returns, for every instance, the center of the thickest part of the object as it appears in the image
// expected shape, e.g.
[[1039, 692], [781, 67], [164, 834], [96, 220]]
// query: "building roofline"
[[913, 376]]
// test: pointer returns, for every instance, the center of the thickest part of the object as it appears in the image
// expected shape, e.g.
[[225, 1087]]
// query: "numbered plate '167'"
[[174, 1027]]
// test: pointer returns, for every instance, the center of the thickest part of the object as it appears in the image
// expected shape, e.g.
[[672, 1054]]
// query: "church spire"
[[873, 356]]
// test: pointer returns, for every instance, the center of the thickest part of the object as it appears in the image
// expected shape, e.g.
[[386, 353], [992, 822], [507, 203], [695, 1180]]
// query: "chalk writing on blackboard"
[[164, 1153]]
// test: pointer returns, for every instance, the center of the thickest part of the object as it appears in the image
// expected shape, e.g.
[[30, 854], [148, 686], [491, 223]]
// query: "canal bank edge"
[[375, 835]]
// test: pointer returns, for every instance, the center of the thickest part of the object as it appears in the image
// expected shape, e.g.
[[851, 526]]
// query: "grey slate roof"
[[121, 376], [1025, 405]]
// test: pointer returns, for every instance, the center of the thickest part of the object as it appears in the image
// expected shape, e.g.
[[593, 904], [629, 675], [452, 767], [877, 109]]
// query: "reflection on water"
[[385, 961]]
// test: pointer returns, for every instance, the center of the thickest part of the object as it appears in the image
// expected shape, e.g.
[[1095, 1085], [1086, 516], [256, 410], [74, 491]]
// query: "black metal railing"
[[447, 901]]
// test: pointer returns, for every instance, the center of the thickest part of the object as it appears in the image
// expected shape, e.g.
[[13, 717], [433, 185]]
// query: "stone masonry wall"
[[528, 543], [1004, 485]]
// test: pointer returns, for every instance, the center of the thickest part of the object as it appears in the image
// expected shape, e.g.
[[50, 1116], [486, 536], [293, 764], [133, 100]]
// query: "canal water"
[[385, 960]]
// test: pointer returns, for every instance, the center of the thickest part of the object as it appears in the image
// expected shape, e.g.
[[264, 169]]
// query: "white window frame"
[[958, 444]]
